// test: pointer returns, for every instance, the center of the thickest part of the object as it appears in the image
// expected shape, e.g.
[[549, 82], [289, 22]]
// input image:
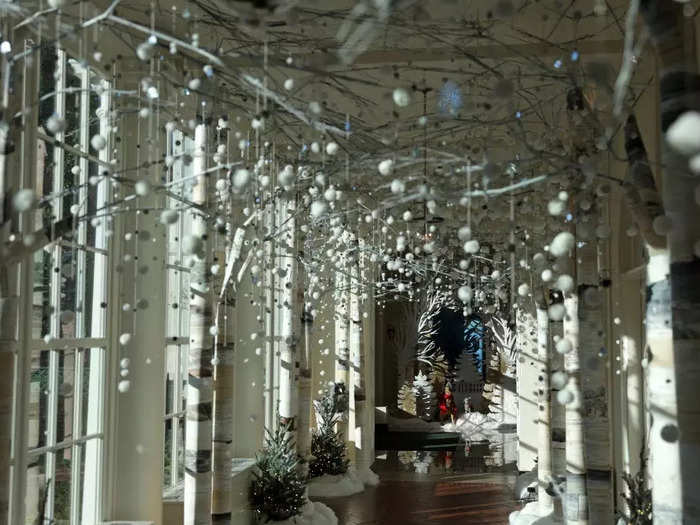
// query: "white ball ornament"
[[142, 188], [397, 186], [241, 178], [318, 208], [561, 244], [471, 247], [401, 97], [386, 167], [98, 142], [559, 380], [556, 312], [407, 216], [465, 293], [23, 200], [523, 290], [565, 397], [124, 339], [464, 233], [144, 51], [124, 386], [564, 345], [332, 148], [168, 217], [564, 283], [55, 124], [556, 207], [684, 134], [289, 84]]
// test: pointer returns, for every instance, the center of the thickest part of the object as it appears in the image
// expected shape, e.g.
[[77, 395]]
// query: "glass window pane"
[[66, 384], [36, 489], [42, 285], [38, 399], [168, 460], [62, 491]]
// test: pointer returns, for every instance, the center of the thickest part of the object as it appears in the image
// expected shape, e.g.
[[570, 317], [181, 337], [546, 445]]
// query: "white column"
[[544, 410], [342, 370], [198, 425], [138, 442], [366, 416], [288, 358]]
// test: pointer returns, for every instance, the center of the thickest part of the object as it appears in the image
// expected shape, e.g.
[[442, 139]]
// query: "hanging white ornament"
[[684, 134], [332, 148], [401, 97], [98, 142], [464, 233], [471, 247], [556, 312], [465, 293], [23, 200], [386, 167], [562, 243]]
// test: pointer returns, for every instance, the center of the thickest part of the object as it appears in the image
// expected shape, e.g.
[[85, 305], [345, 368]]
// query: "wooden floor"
[[437, 495]]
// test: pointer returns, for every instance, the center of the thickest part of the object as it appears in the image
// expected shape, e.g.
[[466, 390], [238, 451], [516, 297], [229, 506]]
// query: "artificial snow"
[[475, 426], [368, 477], [313, 513], [529, 515], [329, 486]]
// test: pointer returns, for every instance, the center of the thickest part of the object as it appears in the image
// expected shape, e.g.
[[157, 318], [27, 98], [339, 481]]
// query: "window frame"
[[87, 408]]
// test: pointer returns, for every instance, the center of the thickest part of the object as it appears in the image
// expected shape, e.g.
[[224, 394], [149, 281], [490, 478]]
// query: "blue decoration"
[[557, 63], [474, 342], [450, 98], [574, 56]]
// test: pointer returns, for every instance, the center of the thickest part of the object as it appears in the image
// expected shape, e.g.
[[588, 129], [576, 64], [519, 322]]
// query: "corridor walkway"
[[459, 493]]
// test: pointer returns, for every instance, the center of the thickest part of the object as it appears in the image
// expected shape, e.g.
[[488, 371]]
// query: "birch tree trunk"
[[305, 375], [544, 430], [576, 498], [675, 430], [198, 428], [644, 202], [342, 370], [269, 285], [224, 387], [288, 358]]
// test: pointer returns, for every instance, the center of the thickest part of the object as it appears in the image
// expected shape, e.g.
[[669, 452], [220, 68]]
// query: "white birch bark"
[[342, 369], [675, 426], [544, 407], [576, 498], [198, 427], [288, 358]]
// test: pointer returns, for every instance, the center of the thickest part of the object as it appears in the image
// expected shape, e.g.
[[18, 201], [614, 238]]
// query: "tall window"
[[180, 147], [68, 364]]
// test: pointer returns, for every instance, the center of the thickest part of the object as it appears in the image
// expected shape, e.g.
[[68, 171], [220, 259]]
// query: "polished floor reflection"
[[435, 487]]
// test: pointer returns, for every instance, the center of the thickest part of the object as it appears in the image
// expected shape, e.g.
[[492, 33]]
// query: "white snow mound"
[[474, 426], [328, 486], [529, 515], [313, 513], [368, 477]]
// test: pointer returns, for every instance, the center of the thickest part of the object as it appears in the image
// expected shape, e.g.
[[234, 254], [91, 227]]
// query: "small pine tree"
[[426, 403], [277, 491], [327, 445], [638, 496]]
